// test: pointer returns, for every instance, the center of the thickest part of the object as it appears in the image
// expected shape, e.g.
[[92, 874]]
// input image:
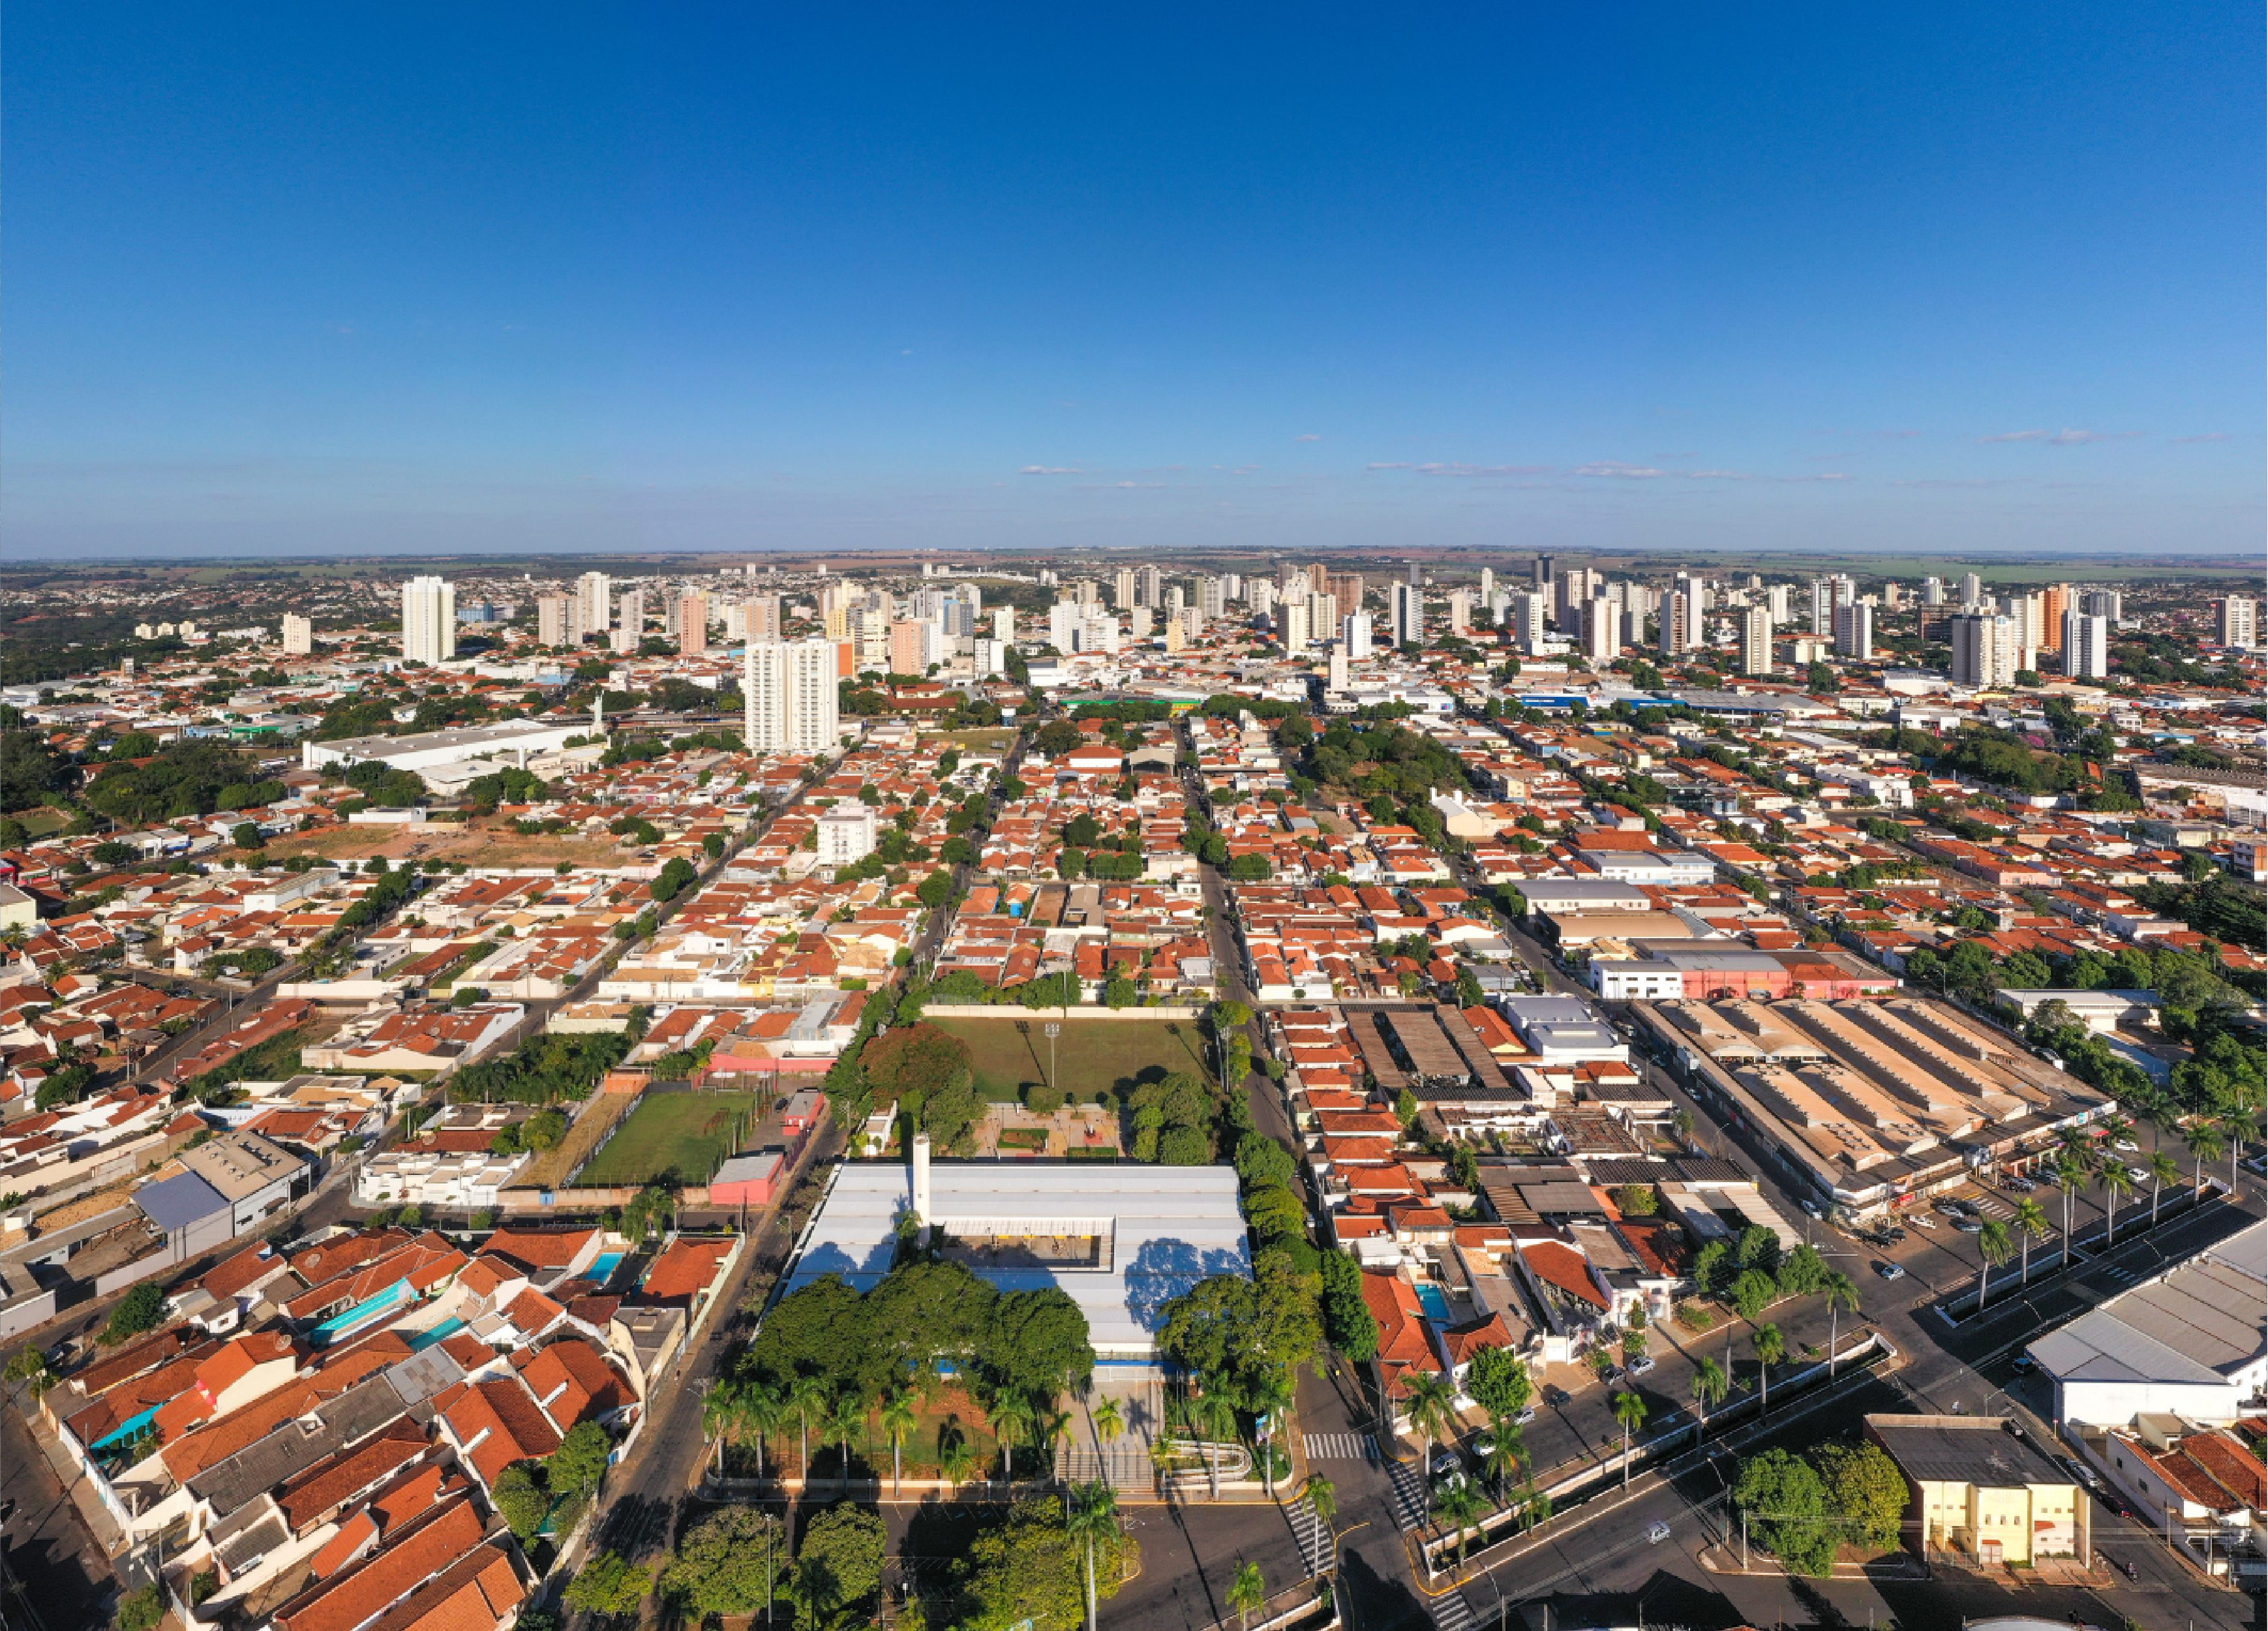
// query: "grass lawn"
[[1093, 1057], [45, 820], [989, 737], [680, 1134]]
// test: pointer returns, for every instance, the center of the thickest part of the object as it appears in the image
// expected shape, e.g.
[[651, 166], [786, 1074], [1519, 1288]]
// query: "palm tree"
[[1213, 1411], [1012, 1418], [955, 1461], [807, 1396], [2031, 1224], [1506, 1449], [2069, 1175], [1270, 1397], [1323, 1496], [720, 1417], [897, 1421], [1841, 1292], [1772, 1348], [1094, 1517], [2163, 1171], [1432, 1404], [2116, 1185], [2235, 1129], [1052, 1427], [1710, 1383], [1535, 1504], [1461, 1504], [1631, 1411], [1109, 1422], [2206, 1143], [845, 1422], [1247, 1592], [1994, 1241]]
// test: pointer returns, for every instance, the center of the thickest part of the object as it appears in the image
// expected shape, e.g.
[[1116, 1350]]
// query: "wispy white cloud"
[[1308, 437], [1821, 475], [2210, 436], [1050, 469], [2065, 438], [1898, 436], [1973, 481]]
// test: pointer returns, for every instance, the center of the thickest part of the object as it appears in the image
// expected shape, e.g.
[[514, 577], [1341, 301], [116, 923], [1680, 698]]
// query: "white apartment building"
[[792, 700], [1602, 631], [428, 620], [2086, 646], [299, 636], [2240, 622], [632, 627], [1854, 632], [1986, 650], [846, 834], [1756, 641], [594, 604], [1354, 637]]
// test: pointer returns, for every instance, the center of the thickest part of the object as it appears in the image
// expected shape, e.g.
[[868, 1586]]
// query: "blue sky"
[[310, 279]]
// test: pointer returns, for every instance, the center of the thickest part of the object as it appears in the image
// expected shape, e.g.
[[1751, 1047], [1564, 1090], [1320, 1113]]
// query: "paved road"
[[65, 1578]]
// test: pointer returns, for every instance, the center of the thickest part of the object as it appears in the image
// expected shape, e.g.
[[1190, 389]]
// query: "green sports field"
[[679, 1135], [1092, 1056]]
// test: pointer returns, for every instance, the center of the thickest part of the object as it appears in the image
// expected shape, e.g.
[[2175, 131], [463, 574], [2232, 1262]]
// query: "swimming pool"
[[1436, 1305], [603, 1266], [426, 1339], [362, 1313]]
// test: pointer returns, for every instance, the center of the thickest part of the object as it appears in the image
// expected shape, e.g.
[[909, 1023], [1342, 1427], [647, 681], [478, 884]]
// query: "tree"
[[2117, 1184], [140, 1309], [839, 1570], [2031, 1223], [2163, 1171], [1786, 1505], [935, 889], [1637, 1200], [1865, 1492], [1092, 1519], [141, 1609], [1842, 1292], [2069, 1174], [1430, 1401], [897, 1420], [1247, 1592], [521, 1499], [1998, 1246], [608, 1585], [1710, 1385], [1347, 1320], [1497, 1381], [580, 1461], [1631, 1411], [1802, 1272], [1753, 1292], [1036, 1341], [1460, 1503], [727, 1564], [1033, 1567], [1013, 1419]]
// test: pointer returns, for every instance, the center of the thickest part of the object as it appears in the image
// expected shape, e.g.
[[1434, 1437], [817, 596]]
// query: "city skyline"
[[1659, 285]]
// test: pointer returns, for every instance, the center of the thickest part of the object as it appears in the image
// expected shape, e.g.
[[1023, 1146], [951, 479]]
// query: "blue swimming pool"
[[362, 1313], [426, 1339], [603, 1267], [1436, 1305]]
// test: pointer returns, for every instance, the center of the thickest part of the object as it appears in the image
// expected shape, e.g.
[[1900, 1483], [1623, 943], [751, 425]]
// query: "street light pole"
[[1054, 1030]]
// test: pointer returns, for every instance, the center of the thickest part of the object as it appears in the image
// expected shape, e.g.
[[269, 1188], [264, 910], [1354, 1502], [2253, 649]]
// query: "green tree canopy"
[[1788, 1511], [1029, 1569], [728, 1563], [839, 1572]]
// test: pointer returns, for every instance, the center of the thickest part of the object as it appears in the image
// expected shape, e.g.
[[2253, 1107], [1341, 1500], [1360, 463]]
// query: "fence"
[[1012, 1010]]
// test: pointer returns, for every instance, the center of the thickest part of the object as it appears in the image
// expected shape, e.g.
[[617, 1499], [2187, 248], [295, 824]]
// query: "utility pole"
[[1054, 1030]]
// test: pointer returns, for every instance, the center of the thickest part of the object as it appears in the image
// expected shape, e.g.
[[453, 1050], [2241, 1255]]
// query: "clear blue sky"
[[315, 278]]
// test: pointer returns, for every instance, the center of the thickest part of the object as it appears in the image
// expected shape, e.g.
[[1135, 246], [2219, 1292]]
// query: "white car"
[[1659, 1533], [2140, 1175], [1643, 1363], [2125, 1145]]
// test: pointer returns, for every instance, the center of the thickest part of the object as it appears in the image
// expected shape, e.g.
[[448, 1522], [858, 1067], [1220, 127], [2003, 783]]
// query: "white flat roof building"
[[1123, 1240], [2190, 1342]]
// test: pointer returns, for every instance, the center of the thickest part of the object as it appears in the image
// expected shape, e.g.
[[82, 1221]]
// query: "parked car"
[[1643, 1363], [1812, 1209], [1950, 1209], [1922, 1220], [1890, 1271], [1523, 1416], [2140, 1175], [2023, 1363], [1969, 1226], [1897, 1235], [2124, 1147], [1659, 1533]]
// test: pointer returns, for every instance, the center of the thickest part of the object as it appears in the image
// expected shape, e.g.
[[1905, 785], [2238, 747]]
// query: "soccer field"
[[1092, 1056], [680, 1135]]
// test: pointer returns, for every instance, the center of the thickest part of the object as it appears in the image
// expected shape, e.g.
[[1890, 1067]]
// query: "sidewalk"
[[104, 1528]]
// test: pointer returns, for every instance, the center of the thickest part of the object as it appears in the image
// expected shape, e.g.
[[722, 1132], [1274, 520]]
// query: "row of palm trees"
[[750, 1410], [1215, 1409], [2080, 1163]]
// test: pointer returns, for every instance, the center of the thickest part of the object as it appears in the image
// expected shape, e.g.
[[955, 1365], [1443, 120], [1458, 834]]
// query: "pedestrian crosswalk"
[[1409, 1494], [1313, 1534], [1343, 1447], [1452, 1612], [2119, 1274], [1992, 1206]]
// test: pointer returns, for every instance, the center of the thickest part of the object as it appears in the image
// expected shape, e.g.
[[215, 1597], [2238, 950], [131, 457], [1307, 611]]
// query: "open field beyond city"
[[1093, 1057], [674, 1135], [482, 844]]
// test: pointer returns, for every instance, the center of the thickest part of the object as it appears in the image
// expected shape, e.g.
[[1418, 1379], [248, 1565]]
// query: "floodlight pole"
[[1054, 1030]]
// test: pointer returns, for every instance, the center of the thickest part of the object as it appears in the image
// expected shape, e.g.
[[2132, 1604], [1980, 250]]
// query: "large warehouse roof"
[[1162, 1230], [2201, 1324]]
